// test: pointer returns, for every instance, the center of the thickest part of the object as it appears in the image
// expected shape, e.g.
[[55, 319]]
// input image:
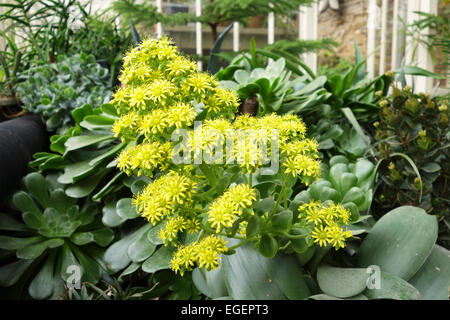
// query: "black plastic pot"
[[20, 138]]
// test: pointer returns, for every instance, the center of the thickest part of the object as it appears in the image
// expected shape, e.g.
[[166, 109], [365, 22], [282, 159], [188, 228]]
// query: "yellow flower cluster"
[[158, 93], [205, 253], [155, 76], [163, 91], [248, 142], [165, 196], [145, 158], [225, 210], [326, 221], [177, 224]]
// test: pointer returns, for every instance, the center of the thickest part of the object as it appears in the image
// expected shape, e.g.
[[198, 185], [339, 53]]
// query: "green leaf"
[[9, 224], [42, 285], [82, 238], [400, 242], [268, 246], [282, 220], [125, 209], [160, 260], [431, 167], [116, 256], [152, 235], [95, 122], [67, 259], [25, 203], [78, 114], [90, 267], [33, 221], [250, 276], [38, 188], [210, 283], [75, 172], [11, 273], [103, 237], [342, 282], [416, 71], [213, 64], [433, 278], [86, 186], [140, 249], [392, 287], [253, 226], [35, 250], [60, 201], [79, 142], [12, 243], [110, 217]]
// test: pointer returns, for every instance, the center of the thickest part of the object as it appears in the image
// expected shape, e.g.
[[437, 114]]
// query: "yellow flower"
[[206, 253], [337, 236], [181, 115], [200, 83], [153, 123], [138, 98], [320, 235], [225, 210], [171, 228], [164, 196], [180, 66], [222, 214], [241, 195]]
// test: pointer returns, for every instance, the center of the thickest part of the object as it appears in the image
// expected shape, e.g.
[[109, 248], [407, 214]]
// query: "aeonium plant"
[[216, 175]]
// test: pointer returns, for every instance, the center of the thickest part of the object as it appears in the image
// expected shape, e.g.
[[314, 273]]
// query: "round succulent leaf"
[[347, 181], [342, 282], [110, 217], [126, 209], [41, 286], [210, 283], [336, 172], [159, 260], [354, 195], [338, 159], [400, 242], [82, 238], [265, 205], [392, 287], [268, 246], [282, 220], [152, 234], [116, 256], [38, 188], [250, 276], [25, 203], [433, 278], [11, 273], [253, 226], [141, 248]]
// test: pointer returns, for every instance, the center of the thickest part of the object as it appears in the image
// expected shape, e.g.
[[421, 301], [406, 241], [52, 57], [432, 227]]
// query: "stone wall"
[[349, 24]]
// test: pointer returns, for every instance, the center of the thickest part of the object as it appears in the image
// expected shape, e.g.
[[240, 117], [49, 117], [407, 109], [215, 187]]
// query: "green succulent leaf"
[[433, 278], [342, 282], [400, 242], [248, 275]]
